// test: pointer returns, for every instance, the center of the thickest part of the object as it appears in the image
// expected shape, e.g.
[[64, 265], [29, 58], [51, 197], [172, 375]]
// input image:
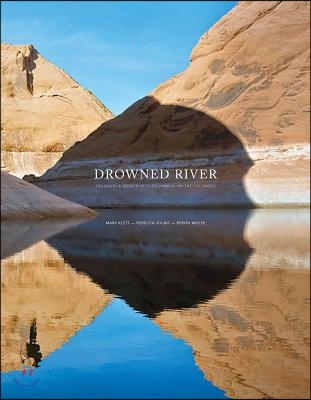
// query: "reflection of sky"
[[122, 354], [118, 50]]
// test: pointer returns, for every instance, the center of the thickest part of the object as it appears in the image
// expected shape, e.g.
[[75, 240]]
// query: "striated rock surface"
[[37, 285], [20, 199], [241, 106], [43, 111]]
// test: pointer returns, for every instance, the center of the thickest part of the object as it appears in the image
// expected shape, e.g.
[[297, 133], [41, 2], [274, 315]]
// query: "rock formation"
[[37, 285], [20, 199], [242, 106], [43, 111]]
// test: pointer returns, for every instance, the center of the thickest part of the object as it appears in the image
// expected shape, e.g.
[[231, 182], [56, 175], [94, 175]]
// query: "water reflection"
[[37, 285], [31, 354], [17, 235], [156, 267], [245, 314], [253, 339], [236, 289]]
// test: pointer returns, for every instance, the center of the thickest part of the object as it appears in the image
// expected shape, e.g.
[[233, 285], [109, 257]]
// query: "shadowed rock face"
[[151, 135], [250, 72], [53, 111], [38, 286], [150, 128]]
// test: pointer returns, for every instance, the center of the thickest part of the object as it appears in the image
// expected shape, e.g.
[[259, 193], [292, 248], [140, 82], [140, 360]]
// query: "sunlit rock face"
[[20, 163], [242, 106], [253, 339], [37, 285], [43, 111], [20, 199]]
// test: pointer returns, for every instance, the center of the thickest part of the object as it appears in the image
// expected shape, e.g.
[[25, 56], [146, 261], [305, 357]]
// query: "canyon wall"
[[241, 106]]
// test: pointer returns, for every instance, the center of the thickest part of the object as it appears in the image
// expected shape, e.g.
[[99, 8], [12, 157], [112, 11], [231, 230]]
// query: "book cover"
[[155, 186]]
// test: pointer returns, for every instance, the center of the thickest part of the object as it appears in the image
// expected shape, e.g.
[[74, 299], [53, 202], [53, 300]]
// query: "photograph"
[[155, 199]]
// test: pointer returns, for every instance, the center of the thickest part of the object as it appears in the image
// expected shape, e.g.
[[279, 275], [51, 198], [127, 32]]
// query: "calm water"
[[128, 305]]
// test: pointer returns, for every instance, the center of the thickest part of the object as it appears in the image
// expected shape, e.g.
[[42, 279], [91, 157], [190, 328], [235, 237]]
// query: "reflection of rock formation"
[[280, 238], [252, 340], [17, 235], [37, 284], [250, 336], [250, 72], [44, 111], [155, 267], [21, 199]]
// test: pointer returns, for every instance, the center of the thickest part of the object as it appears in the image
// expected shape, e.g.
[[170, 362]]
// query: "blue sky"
[[118, 50]]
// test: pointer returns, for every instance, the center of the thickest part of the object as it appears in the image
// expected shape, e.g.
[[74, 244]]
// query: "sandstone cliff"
[[20, 199], [44, 111], [36, 284], [242, 106]]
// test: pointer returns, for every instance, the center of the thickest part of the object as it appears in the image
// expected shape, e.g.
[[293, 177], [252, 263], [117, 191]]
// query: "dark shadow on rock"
[[157, 267], [29, 65], [150, 131]]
